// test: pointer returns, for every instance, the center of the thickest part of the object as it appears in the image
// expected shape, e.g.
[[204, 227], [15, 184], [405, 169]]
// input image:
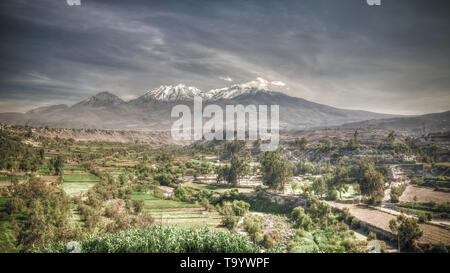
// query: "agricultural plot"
[[431, 233], [181, 214], [441, 211], [8, 178], [424, 195], [219, 188], [78, 183], [74, 168], [208, 186]]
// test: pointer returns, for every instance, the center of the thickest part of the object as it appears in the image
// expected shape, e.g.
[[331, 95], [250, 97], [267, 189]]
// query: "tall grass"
[[163, 240]]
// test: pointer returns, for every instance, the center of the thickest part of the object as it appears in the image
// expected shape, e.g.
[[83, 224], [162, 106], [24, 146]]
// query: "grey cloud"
[[343, 53]]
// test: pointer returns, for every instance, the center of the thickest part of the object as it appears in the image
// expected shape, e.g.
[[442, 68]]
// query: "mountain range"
[[151, 111]]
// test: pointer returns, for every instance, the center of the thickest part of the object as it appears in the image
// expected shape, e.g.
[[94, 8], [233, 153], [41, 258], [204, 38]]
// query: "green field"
[[78, 183], [76, 187], [205, 186], [7, 178], [174, 213], [74, 168], [142, 196], [167, 204], [80, 178]]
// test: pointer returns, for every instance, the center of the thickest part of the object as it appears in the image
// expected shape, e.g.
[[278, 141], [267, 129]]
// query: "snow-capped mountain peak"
[[258, 85], [177, 92], [182, 92]]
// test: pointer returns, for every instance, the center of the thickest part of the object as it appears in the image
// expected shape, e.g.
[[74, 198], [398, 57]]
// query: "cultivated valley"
[[349, 193]]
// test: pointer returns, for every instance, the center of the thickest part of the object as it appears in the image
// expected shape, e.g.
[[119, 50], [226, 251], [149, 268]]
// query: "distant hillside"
[[417, 125]]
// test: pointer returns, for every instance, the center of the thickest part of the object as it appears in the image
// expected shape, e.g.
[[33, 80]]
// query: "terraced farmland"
[[182, 214], [76, 183]]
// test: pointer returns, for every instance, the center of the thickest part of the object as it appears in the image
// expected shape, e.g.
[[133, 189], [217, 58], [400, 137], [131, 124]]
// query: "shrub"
[[165, 179], [332, 195], [252, 224], [267, 241], [205, 203], [138, 205], [396, 193], [240, 207], [355, 224], [301, 219], [229, 219]]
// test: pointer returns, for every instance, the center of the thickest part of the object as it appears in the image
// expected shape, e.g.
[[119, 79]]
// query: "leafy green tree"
[[45, 214], [372, 183], [338, 179], [407, 230], [57, 164], [231, 172], [304, 167], [276, 170], [319, 186], [396, 193], [164, 179], [234, 147]]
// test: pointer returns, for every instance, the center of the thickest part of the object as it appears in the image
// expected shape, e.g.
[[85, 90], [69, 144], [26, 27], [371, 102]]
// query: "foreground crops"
[[163, 240]]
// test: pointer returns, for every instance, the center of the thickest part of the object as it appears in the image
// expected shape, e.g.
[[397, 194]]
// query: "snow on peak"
[[258, 85], [182, 92], [173, 93]]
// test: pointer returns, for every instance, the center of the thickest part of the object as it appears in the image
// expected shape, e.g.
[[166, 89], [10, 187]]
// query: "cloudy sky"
[[393, 58]]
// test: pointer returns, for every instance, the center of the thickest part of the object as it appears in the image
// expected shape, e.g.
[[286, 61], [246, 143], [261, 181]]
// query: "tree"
[[372, 183], [231, 172], [234, 147], [319, 186], [138, 205], [338, 180], [390, 139], [256, 145], [304, 167], [58, 164], [355, 136], [164, 179], [407, 231], [45, 214], [396, 192], [276, 171], [300, 144], [41, 153], [229, 218]]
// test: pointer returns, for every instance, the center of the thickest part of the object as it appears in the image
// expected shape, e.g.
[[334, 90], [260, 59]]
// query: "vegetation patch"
[[162, 240], [81, 178]]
